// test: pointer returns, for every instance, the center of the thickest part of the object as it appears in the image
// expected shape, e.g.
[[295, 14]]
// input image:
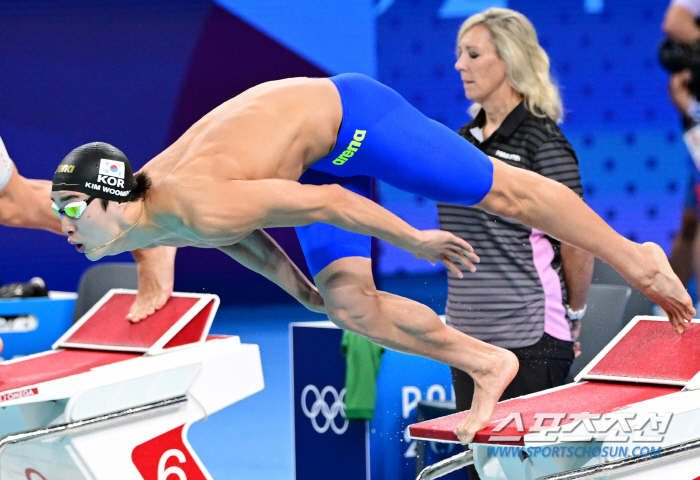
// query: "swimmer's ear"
[[117, 208], [123, 205]]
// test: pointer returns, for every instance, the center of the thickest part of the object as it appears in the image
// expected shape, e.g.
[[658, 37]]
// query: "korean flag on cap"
[[113, 168]]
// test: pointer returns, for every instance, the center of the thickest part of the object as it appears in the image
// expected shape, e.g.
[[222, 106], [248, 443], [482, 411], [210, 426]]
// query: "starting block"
[[633, 412], [115, 400]]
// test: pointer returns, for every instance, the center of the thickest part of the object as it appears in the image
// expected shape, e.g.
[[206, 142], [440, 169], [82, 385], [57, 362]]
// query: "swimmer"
[[301, 152], [24, 203]]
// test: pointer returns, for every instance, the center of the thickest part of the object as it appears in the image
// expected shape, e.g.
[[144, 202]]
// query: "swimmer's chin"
[[81, 248], [99, 254], [93, 256]]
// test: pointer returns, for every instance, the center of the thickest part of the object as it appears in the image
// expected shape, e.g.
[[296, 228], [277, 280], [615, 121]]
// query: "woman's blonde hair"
[[527, 64]]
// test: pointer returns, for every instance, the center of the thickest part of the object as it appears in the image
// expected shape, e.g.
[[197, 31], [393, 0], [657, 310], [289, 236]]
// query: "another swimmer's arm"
[[260, 253], [283, 203], [26, 203], [556, 210]]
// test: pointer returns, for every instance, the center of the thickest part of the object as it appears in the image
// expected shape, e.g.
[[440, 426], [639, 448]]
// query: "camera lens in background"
[[33, 288]]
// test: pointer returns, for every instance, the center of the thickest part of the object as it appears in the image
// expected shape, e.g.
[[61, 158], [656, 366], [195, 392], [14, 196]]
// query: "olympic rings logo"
[[321, 407]]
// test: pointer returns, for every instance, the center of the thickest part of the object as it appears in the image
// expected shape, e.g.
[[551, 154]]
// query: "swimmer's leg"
[[340, 264], [354, 303], [384, 137], [322, 243]]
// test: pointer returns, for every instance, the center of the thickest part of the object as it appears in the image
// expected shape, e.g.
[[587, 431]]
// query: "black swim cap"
[[97, 169]]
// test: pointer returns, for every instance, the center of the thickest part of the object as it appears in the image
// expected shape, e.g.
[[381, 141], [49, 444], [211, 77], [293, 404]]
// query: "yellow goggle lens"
[[72, 211]]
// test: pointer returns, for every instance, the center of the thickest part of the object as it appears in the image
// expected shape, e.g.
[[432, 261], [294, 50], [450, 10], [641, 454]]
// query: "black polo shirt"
[[518, 291]]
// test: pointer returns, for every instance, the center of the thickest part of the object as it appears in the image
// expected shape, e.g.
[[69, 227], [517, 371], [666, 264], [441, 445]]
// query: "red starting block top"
[[648, 350], [586, 397], [185, 319], [54, 365], [57, 364]]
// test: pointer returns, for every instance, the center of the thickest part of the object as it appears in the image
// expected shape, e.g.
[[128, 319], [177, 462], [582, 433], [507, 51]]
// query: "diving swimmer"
[[301, 152]]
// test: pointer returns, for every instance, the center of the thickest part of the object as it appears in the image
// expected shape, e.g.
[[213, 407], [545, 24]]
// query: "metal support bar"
[[81, 426], [446, 466], [628, 464]]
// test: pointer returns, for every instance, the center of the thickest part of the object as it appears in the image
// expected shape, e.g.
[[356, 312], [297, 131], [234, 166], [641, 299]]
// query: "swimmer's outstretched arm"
[[256, 204], [260, 253], [554, 209]]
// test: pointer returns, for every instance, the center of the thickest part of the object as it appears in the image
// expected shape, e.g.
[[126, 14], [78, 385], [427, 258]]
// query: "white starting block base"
[[640, 395], [203, 377]]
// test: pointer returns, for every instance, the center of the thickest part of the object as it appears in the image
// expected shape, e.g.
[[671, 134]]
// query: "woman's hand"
[[447, 248]]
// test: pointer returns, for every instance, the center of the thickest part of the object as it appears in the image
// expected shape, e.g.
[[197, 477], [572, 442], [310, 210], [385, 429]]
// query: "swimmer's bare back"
[[236, 171], [275, 130]]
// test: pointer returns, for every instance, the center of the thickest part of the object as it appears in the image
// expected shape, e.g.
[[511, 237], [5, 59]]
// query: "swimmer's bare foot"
[[156, 277], [664, 288], [489, 385]]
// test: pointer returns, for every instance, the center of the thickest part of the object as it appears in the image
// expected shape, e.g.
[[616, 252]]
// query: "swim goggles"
[[72, 209]]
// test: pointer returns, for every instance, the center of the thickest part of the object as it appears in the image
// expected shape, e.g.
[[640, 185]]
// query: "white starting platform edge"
[[114, 400], [633, 412]]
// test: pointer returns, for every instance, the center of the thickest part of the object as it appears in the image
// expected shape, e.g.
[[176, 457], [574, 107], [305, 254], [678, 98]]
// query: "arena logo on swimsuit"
[[352, 148]]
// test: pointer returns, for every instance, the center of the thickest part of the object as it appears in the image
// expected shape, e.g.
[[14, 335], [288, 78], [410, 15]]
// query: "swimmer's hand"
[[146, 304], [447, 248], [156, 277]]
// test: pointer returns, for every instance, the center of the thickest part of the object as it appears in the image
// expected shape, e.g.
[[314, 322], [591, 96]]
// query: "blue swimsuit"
[[382, 136]]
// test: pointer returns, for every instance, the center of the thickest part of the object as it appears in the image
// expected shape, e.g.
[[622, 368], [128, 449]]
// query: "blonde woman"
[[529, 287]]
